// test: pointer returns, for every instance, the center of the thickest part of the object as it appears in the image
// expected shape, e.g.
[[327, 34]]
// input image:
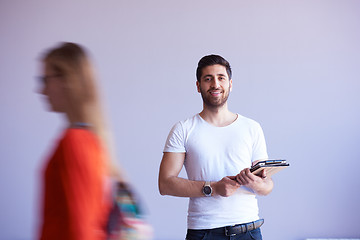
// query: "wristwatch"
[[207, 190]]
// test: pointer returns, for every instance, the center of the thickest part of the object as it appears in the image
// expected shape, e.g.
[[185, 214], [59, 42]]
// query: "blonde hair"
[[71, 61]]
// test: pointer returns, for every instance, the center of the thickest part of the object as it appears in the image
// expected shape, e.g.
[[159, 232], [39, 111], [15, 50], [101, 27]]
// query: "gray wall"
[[296, 71]]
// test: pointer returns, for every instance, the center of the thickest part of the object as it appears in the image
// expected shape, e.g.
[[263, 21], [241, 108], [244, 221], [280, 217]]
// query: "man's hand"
[[260, 184], [226, 186]]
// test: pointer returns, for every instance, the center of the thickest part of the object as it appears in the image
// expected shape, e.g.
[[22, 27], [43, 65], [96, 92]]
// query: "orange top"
[[75, 205]]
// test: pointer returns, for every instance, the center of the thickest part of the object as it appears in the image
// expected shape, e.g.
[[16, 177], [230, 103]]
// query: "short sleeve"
[[175, 141]]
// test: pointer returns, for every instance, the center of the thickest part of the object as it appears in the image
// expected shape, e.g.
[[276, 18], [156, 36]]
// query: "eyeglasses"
[[45, 79]]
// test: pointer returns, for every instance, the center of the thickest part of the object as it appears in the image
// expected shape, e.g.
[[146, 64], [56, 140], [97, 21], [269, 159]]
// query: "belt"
[[242, 228]]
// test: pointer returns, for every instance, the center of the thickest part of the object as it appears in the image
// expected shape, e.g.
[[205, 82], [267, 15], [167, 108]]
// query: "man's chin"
[[212, 104]]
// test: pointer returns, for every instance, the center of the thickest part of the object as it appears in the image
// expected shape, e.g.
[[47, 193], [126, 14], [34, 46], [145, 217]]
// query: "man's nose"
[[215, 83]]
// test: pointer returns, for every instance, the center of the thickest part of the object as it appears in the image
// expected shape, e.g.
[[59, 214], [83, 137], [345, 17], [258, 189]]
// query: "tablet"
[[272, 166]]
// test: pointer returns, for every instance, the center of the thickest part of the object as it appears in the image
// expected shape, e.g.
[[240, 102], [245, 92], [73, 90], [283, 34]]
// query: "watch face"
[[207, 190]]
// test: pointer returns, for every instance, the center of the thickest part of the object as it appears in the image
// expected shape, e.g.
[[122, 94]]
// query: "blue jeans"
[[219, 234]]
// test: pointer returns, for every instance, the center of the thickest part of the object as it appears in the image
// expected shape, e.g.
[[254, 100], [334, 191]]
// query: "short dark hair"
[[210, 60]]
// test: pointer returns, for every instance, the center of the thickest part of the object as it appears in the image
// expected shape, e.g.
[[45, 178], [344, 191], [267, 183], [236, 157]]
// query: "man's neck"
[[219, 117]]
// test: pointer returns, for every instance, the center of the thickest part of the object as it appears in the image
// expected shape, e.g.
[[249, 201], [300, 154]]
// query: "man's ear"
[[230, 82], [198, 86]]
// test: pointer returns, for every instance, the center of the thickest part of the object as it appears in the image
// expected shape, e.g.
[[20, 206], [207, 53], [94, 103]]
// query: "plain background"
[[295, 70]]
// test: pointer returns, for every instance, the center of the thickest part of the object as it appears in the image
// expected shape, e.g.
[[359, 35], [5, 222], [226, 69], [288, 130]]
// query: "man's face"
[[214, 85]]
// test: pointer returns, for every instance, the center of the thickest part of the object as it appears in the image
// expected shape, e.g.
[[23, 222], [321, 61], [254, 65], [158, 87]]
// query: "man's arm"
[[171, 184]]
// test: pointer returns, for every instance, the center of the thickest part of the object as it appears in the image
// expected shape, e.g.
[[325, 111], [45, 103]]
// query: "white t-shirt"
[[211, 154]]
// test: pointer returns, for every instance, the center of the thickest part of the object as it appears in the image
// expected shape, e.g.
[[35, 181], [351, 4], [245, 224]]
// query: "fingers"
[[245, 177], [233, 181], [232, 178], [242, 177], [226, 186], [263, 173]]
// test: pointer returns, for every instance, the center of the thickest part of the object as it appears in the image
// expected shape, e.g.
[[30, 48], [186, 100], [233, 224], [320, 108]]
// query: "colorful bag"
[[126, 220]]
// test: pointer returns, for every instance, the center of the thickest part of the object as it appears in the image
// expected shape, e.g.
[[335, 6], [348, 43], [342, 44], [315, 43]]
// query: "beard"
[[214, 102]]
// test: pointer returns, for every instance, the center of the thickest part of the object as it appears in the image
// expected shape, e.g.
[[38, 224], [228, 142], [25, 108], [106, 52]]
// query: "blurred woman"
[[75, 203]]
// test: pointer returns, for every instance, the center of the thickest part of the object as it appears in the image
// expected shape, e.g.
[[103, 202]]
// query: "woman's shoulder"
[[79, 138], [80, 144]]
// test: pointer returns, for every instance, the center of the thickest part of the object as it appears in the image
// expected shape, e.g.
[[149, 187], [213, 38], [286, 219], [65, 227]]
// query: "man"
[[217, 147]]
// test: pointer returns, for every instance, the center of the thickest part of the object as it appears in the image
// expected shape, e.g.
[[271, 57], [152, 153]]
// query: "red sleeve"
[[82, 176]]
